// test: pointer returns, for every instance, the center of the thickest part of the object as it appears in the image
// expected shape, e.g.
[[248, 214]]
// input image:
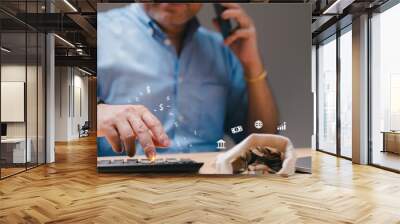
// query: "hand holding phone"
[[224, 25], [241, 37]]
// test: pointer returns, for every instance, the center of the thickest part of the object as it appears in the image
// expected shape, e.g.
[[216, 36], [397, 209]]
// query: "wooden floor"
[[5, 172], [386, 159], [71, 191]]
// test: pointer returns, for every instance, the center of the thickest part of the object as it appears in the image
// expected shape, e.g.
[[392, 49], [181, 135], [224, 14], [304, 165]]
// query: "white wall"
[[62, 81], [16, 73], [286, 51], [80, 103], [70, 83]]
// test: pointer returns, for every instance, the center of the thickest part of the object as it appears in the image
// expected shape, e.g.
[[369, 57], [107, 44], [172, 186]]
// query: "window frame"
[[378, 10], [333, 37]]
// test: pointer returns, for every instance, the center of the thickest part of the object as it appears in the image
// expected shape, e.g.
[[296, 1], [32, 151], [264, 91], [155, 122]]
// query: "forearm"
[[261, 106], [243, 42]]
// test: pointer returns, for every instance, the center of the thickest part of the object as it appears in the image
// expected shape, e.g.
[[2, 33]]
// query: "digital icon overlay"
[[236, 129], [258, 124], [221, 144]]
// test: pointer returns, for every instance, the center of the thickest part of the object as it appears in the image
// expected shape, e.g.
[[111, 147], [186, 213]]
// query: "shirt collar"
[[191, 28]]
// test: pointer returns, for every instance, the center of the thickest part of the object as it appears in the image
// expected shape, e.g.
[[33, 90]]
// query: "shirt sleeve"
[[237, 101]]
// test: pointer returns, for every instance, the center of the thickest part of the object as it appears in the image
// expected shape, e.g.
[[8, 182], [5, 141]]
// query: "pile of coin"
[[259, 160]]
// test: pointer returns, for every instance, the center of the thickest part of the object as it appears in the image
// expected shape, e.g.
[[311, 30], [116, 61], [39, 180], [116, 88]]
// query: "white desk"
[[17, 145]]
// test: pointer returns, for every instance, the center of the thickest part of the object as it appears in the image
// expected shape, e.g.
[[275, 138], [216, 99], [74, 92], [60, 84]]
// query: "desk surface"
[[390, 132], [208, 158], [13, 140]]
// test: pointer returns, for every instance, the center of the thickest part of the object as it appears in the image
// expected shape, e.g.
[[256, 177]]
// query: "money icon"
[[148, 90], [161, 107], [168, 98], [237, 129]]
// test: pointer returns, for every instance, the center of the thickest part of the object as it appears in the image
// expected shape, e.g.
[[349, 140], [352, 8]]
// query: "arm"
[[261, 106], [243, 43], [122, 125]]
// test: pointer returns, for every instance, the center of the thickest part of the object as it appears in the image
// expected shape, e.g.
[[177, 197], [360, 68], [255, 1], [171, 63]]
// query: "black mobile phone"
[[225, 25]]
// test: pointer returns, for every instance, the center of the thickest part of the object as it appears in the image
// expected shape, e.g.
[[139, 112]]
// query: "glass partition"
[[22, 91], [41, 96], [32, 96], [14, 153]]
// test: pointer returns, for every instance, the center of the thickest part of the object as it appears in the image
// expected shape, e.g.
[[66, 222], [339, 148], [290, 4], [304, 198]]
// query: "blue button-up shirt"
[[197, 95]]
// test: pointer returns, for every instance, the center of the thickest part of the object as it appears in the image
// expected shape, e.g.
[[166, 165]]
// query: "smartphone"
[[225, 25]]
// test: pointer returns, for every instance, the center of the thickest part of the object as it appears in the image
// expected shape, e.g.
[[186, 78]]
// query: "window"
[[333, 137], [385, 88], [327, 96], [346, 93]]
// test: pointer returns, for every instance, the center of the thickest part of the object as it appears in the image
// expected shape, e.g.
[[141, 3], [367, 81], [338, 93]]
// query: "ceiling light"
[[337, 7], [79, 51], [84, 71], [70, 5], [65, 41], [5, 50]]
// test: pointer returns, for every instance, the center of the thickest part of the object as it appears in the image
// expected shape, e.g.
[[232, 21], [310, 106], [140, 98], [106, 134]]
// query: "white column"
[[314, 93], [360, 90], [50, 100]]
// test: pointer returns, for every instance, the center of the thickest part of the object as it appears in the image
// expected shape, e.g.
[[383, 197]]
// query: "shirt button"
[[167, 42], [150, 31]]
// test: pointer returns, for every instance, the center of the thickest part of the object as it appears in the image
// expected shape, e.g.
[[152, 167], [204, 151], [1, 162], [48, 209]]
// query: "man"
[[167, 82]]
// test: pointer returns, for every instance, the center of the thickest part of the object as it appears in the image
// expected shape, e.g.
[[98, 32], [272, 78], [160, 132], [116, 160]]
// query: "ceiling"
[[332, 15]]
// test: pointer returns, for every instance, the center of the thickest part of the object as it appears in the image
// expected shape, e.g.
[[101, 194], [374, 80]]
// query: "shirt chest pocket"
[[212, 105]]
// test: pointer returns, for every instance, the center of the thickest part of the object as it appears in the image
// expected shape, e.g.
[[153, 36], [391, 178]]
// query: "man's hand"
[[121, 125], [243, 41]]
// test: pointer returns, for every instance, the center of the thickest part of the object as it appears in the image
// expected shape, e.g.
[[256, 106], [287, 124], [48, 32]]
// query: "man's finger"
[[156, 128], [127, 137], [143, 135], [240, 33], [113, 139]]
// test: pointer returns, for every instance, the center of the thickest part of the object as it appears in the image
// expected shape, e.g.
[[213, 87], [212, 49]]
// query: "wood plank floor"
[[71, 191]]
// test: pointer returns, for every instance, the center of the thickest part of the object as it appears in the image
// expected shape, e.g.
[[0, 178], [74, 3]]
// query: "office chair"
[[84, 130]]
